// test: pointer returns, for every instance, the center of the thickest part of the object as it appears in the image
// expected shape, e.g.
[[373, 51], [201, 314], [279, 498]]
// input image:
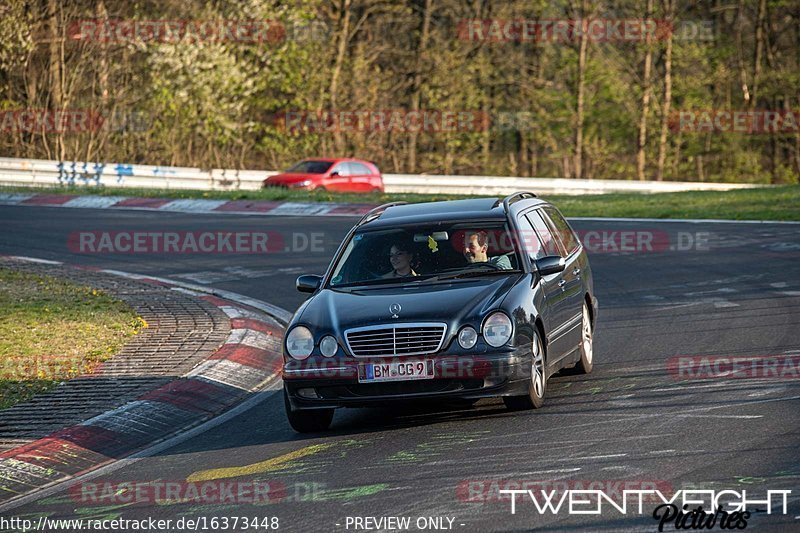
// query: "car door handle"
[[576, 271]]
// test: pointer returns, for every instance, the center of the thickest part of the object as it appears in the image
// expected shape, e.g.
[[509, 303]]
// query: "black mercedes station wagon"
[[446, 300]]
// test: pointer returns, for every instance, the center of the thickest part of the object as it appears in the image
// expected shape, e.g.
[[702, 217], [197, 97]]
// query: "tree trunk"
[[669, 9], [416, 90], [759, 50], [55, 71], [740, 52], [579, 108], [344, 36], [642, 138]]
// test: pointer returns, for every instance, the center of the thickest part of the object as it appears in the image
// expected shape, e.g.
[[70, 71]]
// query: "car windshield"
[[426, 253], [310, 167]]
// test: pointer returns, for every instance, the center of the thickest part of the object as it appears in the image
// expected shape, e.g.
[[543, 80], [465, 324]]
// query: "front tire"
[[307, 421], [538, 383], [586, 364]]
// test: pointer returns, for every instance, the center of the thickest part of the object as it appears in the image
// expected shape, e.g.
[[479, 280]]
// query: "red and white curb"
[[250, 360], [239, 207]]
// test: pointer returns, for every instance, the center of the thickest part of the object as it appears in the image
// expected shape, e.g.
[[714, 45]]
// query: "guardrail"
[[45, 173]]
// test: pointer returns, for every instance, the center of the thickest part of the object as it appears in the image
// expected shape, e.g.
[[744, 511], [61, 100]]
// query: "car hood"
[[455, 303]]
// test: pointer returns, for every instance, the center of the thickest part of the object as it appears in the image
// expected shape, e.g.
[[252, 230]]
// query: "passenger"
[[476, 244], [401, 259]]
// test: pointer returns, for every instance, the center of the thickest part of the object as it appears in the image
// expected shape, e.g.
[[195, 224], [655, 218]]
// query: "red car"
[[340, 175]]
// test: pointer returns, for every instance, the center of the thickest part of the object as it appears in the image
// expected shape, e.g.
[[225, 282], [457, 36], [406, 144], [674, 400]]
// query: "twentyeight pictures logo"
[[683, 509]]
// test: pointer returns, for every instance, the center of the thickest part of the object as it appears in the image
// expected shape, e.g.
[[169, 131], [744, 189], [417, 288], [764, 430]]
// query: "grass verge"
[[52, 330], [768, 203]]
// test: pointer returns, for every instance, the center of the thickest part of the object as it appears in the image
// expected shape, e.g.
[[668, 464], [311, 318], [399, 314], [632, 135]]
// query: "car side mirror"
[[309, 283], [334, 173], [552, 264]]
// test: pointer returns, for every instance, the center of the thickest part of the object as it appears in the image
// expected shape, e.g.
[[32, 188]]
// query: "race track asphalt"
[[736, 293]]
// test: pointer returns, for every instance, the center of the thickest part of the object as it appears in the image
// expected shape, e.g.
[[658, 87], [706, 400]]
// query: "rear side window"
[[562, 229], [359, 169], [343, 169], [549, 243]]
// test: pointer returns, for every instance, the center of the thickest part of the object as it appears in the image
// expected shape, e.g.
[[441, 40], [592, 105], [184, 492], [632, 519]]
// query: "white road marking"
[[13, 199], [36, 260], [252, 338], [294, 208], [743, 417], [192, 205], [778, 285], [592, 457], [94, 202]]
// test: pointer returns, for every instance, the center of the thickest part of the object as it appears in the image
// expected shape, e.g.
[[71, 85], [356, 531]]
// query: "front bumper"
[[324, 383]]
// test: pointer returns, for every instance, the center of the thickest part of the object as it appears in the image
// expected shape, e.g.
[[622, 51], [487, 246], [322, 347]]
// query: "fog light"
[[467, 337], [307, 393], [328, 346]]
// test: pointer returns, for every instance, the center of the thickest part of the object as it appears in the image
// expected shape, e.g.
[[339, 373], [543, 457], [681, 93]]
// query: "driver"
[[476, 244], [401, 259]]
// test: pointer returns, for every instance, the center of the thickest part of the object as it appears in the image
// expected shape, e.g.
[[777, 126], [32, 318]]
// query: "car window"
[[562, 229], [359, 169], [310, 167], [529, 240], [545, 234], [343, 169]]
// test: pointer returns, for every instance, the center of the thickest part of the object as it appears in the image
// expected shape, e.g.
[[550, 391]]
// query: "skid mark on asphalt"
[[440, 444], [276, 463]]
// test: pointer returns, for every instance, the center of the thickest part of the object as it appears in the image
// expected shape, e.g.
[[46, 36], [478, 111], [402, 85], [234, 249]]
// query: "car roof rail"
[[377, 211], [514, 197]]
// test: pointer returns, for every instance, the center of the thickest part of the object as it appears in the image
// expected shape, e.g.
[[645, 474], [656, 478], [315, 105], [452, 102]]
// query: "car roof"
[[485, 209], [334, 160]]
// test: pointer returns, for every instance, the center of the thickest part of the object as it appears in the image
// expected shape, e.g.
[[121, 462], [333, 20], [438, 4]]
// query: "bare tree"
[[648, 60], [669, 11]]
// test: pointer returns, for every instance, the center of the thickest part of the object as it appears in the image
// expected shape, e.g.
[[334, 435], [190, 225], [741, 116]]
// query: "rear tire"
[[538, 383], [307, 421], [586, 364]]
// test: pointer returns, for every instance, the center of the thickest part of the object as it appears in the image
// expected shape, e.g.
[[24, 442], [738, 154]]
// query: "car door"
[[573, 287], [339, 177], [360, 178], [556, 312]]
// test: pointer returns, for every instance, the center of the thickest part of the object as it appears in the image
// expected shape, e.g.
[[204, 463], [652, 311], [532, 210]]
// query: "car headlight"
[[497, 329], [300, 342], [328, 346], [467, 337]]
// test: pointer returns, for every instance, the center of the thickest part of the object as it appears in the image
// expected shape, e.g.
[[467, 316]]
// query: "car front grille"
[[397, 339]]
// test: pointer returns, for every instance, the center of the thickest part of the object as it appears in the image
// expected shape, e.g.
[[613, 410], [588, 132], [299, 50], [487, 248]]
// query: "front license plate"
[[399, 371]]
